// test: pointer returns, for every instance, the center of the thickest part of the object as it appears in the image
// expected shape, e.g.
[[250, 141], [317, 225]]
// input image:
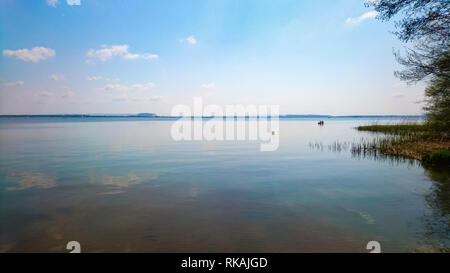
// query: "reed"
[[406, 140]]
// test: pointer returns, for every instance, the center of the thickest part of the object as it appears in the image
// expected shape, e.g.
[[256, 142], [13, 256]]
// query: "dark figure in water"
[[320, 123]]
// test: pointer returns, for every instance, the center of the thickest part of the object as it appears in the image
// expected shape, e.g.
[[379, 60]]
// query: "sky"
[[120, 56]]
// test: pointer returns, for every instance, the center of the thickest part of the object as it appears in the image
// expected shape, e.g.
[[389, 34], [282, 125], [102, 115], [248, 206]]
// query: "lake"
[[124, 185]]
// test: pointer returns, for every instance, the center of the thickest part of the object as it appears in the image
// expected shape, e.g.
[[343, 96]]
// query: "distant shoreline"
[[176, 117]]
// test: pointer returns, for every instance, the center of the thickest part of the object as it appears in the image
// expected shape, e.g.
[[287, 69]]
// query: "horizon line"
[[193, 116]]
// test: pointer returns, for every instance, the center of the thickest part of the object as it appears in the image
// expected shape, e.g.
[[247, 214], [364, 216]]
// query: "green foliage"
[[438, 100], [427, 24], [394, 129], [439, 157], [403, 133], [421, 19]]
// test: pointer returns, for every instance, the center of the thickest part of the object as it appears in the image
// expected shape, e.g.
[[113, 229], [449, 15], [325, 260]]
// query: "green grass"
[[399, 129], [408, 140], [439, 157]]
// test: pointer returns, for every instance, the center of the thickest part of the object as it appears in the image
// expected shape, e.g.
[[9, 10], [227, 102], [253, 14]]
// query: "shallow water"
[[124, 185]]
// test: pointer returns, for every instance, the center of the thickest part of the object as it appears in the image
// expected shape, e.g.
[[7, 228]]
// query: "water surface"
[[123, 185]]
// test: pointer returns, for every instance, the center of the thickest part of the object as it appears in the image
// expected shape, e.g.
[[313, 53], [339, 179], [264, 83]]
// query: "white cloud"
[[17, 83], [73, 2], [34, 55], [56, 77], [93, 78], [191, 40], [208, 85], [115, 87], [106, 53], [142, 87], [357, 20], [134, 92], [146, 56], [131, 56], [133, 87], [52, 3]]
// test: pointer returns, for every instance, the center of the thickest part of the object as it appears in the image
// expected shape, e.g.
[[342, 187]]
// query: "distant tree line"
[[426, 25]]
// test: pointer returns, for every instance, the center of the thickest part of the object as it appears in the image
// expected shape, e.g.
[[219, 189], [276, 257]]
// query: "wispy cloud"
[[190, 40], [138, 92], [116, 87], [52, 3], [73, 2], [106, 53], [93, 78], [17, 83], [143, 87], [357, 20], [146, 56], [35, 54], [134, 97], [133, 87], [208, 85], [56, 77]]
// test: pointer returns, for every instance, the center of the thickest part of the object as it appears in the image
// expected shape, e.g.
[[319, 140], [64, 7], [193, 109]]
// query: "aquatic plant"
[[408, 140], [439, 157]]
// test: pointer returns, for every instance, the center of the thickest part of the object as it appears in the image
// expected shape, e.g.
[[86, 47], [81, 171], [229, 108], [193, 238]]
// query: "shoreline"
[[416, 141]]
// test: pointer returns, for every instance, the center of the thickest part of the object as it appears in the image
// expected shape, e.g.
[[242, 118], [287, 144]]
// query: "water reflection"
[[127, 186], [27, 180], [118, 183], [359, 153], [438, 217], [436, 237], [364, 215]]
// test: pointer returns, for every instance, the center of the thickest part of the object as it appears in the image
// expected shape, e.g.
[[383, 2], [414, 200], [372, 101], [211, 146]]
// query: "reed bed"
[[404, 141], [407, 140]]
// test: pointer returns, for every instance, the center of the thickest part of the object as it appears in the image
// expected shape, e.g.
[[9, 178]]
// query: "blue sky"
[[118, 56]]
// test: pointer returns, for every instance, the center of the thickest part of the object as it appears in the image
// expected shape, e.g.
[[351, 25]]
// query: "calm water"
[[123, 185]]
